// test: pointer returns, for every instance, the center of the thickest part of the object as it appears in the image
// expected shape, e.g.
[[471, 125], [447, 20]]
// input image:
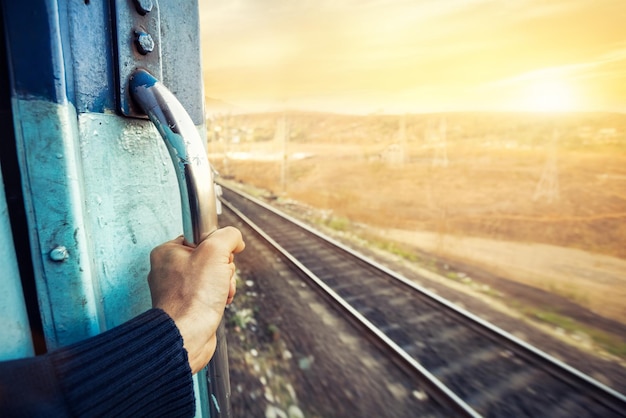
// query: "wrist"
[[198, 332]]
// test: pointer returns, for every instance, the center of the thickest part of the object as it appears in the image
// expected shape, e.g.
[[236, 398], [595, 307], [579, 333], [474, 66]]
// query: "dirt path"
[[594, 281]]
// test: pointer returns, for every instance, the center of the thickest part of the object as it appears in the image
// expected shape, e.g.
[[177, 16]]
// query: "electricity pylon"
[[281, 136], [438, 137]]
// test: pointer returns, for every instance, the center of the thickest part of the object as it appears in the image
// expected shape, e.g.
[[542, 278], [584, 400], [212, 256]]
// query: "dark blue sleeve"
[[30, 388], [137, 369]]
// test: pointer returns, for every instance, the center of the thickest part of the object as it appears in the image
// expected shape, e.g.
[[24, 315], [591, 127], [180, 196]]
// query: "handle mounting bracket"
[[138, 45]]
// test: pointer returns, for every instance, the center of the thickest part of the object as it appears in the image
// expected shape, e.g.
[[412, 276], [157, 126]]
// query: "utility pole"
[[402, 140], [440, 155], [281, 136], [548, 185]]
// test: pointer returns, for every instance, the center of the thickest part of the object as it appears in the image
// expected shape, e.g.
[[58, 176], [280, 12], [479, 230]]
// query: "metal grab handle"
[[198, 201], [195, 178]]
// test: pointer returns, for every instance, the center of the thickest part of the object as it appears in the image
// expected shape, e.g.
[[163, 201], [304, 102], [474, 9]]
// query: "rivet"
[[144, 42], [143, 6], [59, 254]]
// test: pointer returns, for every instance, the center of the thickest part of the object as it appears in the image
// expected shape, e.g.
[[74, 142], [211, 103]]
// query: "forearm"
[[137, 369]]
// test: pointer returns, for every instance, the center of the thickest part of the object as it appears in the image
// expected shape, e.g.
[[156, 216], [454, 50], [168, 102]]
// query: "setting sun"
[[549, 96]]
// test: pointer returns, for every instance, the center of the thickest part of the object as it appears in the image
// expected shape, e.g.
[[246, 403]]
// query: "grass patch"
[[611, 343], [242, 318], [402, 251], [338, 223], [398, 250]]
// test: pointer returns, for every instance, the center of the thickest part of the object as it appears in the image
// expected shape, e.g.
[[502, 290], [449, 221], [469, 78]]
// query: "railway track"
[[465, 363]]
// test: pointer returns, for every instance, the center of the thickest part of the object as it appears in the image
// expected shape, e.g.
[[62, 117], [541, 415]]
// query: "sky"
[[408, 56]]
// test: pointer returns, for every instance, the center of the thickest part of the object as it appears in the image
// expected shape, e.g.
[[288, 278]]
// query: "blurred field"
[[537, 199]]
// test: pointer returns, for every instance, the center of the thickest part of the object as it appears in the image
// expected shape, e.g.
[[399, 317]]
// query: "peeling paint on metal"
[[131, 199]]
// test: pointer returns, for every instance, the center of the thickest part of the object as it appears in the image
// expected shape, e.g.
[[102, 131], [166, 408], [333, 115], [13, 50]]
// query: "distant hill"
[[487, 129], [220, 107]]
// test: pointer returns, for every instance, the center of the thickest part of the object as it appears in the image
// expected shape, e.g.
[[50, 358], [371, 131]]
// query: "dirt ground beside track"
[[594, 281], [574, 246]]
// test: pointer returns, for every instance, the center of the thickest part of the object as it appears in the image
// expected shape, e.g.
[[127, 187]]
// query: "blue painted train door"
[[96, 185]]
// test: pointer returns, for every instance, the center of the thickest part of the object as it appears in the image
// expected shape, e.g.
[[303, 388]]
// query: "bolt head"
[[59, 254], [144, 42], [143, 6]]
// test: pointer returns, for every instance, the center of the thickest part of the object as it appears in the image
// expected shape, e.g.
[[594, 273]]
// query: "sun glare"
[[549, 96]]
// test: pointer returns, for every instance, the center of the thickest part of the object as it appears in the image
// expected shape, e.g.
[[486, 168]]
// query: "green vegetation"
[[336, 223], [242, 318], [273, 332], [572, 293], [613, 344], [399, 250]]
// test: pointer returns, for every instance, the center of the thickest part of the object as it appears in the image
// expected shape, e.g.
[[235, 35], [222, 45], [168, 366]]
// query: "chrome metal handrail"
[[195, 177]]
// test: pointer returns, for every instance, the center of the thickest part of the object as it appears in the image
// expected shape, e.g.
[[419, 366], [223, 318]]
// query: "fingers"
[[221, 245], [228, 236], [232, 291], [178, 240], [233, 281], [217, 249]]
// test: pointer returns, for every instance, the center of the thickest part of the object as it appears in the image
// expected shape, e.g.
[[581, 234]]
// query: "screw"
[[59, 254], [143, 6], [144, 42]]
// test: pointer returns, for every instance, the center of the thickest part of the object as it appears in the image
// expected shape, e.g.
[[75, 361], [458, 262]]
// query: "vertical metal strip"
[[46, 135]]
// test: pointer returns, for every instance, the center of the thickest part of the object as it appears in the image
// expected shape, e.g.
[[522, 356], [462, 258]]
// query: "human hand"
[[193, 285]]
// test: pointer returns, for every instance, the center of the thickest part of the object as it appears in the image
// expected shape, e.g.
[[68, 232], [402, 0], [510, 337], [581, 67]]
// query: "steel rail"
[[437, 389]]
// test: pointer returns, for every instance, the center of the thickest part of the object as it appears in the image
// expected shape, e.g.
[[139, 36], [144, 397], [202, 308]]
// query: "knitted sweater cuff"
[[139, 368]]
